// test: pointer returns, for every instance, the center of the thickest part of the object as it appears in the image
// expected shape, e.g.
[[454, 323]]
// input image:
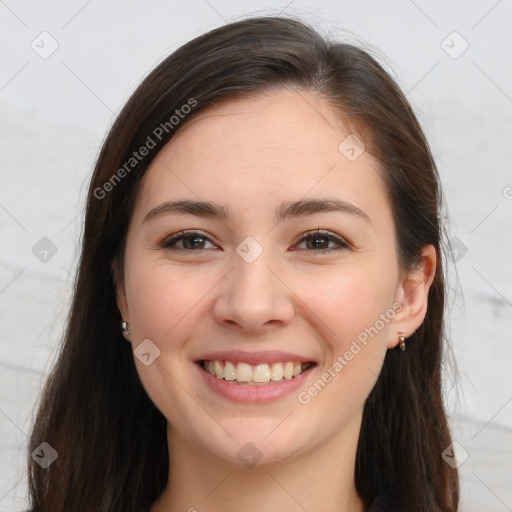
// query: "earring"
[[124, 328], [402, 342]]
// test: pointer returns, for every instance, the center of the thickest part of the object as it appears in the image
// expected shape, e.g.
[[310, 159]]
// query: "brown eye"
[[191, 241], [318, 241]]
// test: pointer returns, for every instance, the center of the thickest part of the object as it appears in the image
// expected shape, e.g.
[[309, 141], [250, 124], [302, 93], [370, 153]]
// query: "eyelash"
[[167, 243]]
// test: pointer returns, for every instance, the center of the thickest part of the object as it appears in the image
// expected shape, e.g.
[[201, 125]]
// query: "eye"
[[320, 241], [195, 241], [191, 241]]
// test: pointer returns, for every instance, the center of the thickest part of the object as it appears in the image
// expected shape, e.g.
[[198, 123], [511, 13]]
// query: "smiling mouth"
[[254, 375]]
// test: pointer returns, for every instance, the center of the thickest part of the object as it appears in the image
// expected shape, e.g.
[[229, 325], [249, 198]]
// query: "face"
[[261, 287]]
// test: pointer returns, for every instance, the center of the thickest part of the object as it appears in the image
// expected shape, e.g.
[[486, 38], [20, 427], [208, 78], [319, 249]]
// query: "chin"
[[261, 441]]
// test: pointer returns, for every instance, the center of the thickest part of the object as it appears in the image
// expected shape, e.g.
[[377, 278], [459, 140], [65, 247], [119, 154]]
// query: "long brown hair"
[[109, 436]]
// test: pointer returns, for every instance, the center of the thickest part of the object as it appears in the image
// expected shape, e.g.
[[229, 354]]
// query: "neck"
[[320, 480]]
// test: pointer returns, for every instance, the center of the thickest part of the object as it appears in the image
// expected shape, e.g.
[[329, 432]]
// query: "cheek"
[[348, 301], [351, 311], [163, 299], [354, 306], [165, 303]]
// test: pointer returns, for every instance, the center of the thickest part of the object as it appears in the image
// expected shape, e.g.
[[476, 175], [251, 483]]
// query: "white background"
[[54, 113]]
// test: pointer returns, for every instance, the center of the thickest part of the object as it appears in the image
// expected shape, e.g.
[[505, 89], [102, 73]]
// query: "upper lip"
[[253, 358]]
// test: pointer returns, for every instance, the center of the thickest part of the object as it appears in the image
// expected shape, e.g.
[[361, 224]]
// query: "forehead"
[[281, 123], [244, 151]]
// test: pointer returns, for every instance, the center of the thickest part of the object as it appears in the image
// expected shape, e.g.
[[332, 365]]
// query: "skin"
[[250, 155]]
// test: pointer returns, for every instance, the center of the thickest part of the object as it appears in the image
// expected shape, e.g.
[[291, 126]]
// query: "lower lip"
[[254, 394]]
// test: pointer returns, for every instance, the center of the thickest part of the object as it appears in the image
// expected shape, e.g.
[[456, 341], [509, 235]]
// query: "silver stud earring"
[[124, 328]]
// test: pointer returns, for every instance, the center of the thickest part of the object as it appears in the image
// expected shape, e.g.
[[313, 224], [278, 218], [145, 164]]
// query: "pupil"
[[317, 245], [189, 238]]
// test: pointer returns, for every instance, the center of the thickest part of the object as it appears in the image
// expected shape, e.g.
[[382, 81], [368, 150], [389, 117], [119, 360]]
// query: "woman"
[[263, 224]]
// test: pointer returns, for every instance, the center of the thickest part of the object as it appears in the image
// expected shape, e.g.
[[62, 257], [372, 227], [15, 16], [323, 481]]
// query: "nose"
[[253, 297]]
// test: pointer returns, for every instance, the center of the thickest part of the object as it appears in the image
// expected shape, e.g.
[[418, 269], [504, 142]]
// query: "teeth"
[[257, 374], [219, 372], [229, 371], [261, 373], [277, 372], [288, 371], [243, 372]]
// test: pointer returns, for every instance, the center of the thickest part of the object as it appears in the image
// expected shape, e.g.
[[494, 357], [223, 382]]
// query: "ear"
[[412, 293], [118, 277]]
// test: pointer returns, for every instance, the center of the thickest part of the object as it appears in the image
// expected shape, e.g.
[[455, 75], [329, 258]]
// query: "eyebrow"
[[287, 209]]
